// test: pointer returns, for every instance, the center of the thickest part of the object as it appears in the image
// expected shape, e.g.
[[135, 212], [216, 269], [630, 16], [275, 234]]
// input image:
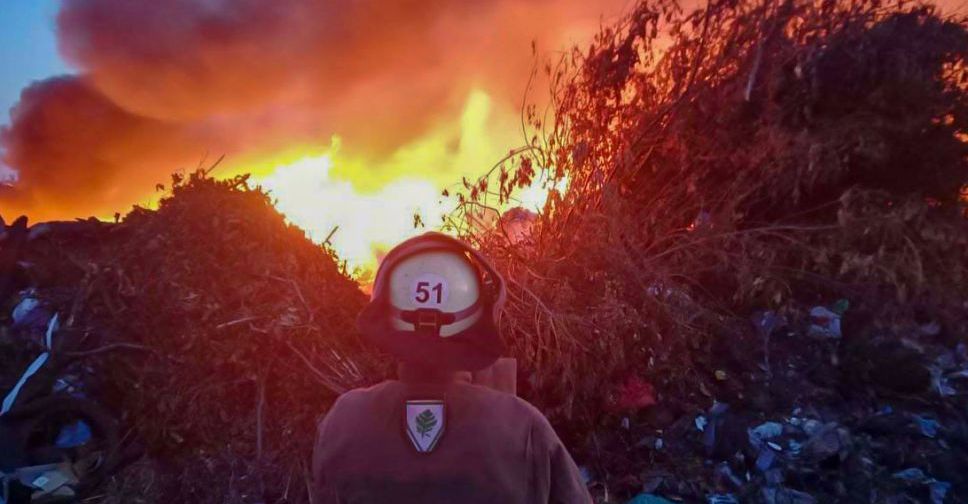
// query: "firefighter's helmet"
[[435, 302]]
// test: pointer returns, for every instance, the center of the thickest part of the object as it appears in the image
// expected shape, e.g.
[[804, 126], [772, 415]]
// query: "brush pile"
[[755, 287], [216, 332]]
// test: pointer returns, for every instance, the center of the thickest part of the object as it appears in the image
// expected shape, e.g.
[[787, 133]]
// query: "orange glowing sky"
[[352, 113]]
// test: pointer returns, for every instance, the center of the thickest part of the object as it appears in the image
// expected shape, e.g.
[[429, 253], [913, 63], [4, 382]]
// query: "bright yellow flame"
[[373, 202], [317, 202], [535, 195]]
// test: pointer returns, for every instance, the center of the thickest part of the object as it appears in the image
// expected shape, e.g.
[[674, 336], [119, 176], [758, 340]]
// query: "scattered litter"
[[913, 475], [927, 426], [701, 423], [24, 308], [939, 489], [74, 434], [30, 314], [15, 391], [48, 480], [824, 323], [11, 397], [646, 498], [764, 431], [765, 459]]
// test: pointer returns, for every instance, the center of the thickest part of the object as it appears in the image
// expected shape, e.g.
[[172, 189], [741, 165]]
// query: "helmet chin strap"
[[428, 321]]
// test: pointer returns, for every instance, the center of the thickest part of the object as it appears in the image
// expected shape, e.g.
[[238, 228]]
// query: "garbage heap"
[[755, 287], [216, 332]]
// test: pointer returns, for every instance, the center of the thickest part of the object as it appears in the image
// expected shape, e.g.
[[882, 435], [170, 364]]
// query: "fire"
[[371, 204], [361, 223]]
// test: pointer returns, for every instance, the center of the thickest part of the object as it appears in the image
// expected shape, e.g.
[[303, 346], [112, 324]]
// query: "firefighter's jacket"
[[440, 441]]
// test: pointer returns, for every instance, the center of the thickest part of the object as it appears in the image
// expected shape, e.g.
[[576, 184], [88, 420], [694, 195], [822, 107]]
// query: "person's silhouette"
[[432, 436]]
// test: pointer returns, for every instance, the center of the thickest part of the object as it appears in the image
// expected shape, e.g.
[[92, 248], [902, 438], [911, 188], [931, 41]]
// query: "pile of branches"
[[216, 331], [747, 157]]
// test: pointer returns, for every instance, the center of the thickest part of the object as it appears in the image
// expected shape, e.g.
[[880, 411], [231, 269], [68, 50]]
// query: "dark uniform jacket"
[[482, 446]]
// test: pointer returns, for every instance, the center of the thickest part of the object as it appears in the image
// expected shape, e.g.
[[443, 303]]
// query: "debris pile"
[[217, 334], [754, 287]]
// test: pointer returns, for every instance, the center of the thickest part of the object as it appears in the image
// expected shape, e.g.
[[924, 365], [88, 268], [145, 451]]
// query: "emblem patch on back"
[[425, 424]]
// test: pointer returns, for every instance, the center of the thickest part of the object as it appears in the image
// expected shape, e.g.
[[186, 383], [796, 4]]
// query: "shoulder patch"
[[425, 423]]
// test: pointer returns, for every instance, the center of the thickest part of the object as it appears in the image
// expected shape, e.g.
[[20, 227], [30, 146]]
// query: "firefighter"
[[432, 436]]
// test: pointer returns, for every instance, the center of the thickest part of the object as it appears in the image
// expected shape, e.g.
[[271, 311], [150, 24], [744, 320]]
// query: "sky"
[[28, 49], [351, 113]]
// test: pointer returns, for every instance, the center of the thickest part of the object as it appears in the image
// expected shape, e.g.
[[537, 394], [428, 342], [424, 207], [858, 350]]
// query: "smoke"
[[74, 148], [160, 84]]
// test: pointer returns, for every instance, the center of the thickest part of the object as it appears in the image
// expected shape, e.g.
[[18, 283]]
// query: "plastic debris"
[[714, 419], [765, 459], [75, 434], [48, 480], [647, 498], [723, 499], [767, 430], [759, 439], [912, 474], [30, 314], [939, 489], [32, 369], [701, 423], [27, 305], [927, 426], [11, 396], [824, 323]]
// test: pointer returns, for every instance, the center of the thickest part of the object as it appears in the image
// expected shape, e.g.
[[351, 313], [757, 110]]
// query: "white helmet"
[[441, 280], [435, 301]]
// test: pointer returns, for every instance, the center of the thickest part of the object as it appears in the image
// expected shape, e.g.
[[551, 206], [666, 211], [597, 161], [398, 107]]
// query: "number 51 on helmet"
[[436, 302]]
